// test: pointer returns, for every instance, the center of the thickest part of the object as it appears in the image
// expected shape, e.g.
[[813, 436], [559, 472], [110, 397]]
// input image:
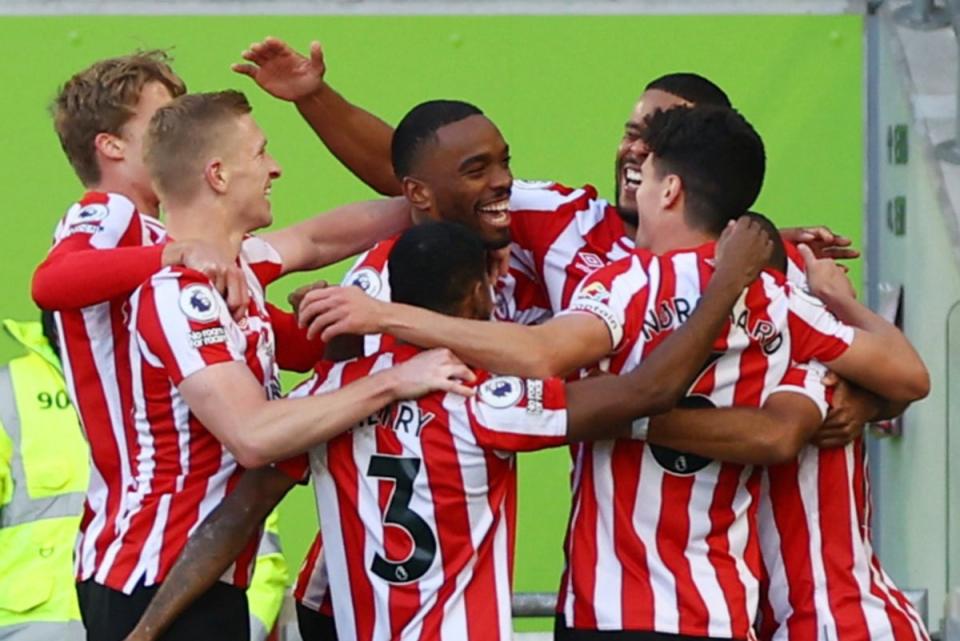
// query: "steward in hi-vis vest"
[[43, 478]]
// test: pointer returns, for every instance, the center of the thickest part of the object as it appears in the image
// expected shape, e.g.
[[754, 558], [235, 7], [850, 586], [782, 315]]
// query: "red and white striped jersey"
[[179, 325], [561, 234], [518, 298], [95, 365], [823, 580], [663, 540], [418, 504], [312, 589]]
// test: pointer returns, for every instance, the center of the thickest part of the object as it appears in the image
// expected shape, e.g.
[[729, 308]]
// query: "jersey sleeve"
[[295, 352], [77, 273], [606, 294], [807, 379], [182, 324], [519, 297], [815, 333], [796, 272], [264, 260], [297, 468], [513, 414], [369, 272]]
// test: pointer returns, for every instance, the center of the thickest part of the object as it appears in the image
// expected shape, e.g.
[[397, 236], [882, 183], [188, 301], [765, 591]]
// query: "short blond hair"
[[183, 133], [101, 99]]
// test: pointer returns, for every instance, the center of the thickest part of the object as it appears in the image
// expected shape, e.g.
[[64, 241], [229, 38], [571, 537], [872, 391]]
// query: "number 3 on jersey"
[[403, 471]]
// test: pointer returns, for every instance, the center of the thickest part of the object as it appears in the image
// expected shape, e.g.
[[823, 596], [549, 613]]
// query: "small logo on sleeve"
[[93, 213], [502, 392], [199, 303], [368, 280], [595, 291]]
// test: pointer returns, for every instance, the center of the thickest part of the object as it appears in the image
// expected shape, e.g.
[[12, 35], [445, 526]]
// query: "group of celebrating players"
[[678, 343]]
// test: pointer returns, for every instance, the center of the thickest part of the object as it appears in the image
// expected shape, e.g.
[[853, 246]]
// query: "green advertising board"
[[559, 87]]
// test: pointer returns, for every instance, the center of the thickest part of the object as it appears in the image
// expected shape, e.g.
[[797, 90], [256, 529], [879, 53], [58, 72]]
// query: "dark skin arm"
[[212, 548], [769, 435], [852, 407], [358, 139]]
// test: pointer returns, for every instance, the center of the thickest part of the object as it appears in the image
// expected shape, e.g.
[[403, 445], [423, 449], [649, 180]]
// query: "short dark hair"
[[778, 259], [419, 126], [692, 87], [434, 265], [716, 153]]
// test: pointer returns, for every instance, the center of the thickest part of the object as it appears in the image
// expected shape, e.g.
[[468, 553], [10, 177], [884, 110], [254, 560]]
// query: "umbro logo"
[[588, 262]]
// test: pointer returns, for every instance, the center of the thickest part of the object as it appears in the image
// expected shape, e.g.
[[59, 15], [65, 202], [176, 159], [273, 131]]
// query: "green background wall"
[[560, 88]]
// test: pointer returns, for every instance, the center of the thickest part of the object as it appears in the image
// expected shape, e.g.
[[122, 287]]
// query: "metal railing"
[[543, 604]]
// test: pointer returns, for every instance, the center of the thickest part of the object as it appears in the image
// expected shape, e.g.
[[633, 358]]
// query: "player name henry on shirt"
[[405, 417]]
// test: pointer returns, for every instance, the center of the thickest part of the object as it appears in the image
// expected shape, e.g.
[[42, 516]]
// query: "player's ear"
[[417, 193], [671, 192], [480, 304], [110, 146], [216, 175]]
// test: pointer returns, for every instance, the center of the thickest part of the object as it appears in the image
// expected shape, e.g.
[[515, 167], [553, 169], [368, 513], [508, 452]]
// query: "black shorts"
[[221, 614], [562, 633], [315, 626]]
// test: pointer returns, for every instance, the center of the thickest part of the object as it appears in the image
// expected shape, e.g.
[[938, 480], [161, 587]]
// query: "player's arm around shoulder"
[[554, 348], [874, 353], [342, 232]]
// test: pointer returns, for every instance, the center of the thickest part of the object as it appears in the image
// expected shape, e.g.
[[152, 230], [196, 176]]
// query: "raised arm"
[[229, 401], [330, 237], [212, 547], [357, 138]]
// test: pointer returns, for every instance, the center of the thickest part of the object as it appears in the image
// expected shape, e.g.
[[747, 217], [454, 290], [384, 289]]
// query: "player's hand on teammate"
[[825, 278], [281, 71], [295, 298], [822, 240], [431, 371], [743, 250], [334, 311], [851, 408], [225, 275]]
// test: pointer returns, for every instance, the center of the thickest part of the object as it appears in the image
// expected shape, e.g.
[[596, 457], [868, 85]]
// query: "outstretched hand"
[[283, 72], [334, 311], [431, 371], [225, 275], [822, 241], [826, 279], [850, 409]]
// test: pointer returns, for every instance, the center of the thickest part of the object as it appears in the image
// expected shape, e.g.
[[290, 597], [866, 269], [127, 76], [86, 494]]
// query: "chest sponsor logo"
[[199, 303], [502, 392]]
